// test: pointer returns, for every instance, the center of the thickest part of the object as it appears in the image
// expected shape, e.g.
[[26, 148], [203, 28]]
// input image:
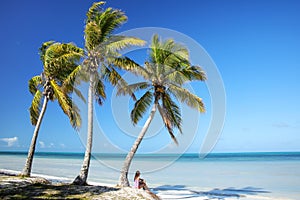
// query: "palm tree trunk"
[[82, 177], [28, 165], [123, 180]]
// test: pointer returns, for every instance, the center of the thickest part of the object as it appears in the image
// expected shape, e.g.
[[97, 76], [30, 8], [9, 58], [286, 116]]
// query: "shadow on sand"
[[182, 192]]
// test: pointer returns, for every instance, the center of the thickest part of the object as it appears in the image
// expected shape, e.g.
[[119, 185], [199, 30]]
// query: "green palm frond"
[[167, 123], [172, 111], [111, 75], [197, 73], [74, 114], [119, 42], [61, 59], [187, 73], [101, 23], [74, 79], [169, 60], [132, 88], [100, 91], [185, 96], [94, 10], [141, 106], [109, 20], [34, 84], [43, 48], [180, 75], [150, 69], [155, 49], [61, 97], [129, 65], [35, 107], [176, 76], [92, 35], [65, 102], [175, 53]]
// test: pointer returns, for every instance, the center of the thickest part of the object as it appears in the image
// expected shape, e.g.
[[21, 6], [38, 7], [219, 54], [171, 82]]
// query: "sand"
[[13, 186]]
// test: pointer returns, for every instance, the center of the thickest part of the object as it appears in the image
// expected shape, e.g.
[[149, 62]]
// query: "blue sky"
[[255, 45]]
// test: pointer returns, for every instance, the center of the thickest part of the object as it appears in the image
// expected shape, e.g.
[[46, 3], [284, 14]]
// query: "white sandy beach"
[[171, 192]]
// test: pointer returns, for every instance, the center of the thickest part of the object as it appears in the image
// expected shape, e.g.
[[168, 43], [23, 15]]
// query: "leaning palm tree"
[[60, 62], [102, 48], [164, 74]]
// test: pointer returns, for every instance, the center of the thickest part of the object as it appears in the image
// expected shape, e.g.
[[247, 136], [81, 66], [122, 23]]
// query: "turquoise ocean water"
[[269, 175]]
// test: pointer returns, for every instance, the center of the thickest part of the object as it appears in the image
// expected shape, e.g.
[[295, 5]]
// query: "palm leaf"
[[61, 97], [197, 73], [94, 10], [43, 48], [172, 111], [130, 89], [92, 35], [111, 75], [35, 107], [34, 84], [119, 42], [141, 106], [74, 116], [74, 79], [61, 59], [186, 73], [167, 123], [109, 20], [128, 64], [186, 97], [100, 91], [155, 49], [65, 102]]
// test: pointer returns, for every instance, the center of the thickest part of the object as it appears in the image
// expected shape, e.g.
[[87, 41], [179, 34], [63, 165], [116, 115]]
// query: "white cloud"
[[42, 144], [10, 141]]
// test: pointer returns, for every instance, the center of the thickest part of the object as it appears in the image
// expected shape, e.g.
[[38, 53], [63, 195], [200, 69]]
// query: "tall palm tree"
[[164, 74], [60, 62], [102, 48]]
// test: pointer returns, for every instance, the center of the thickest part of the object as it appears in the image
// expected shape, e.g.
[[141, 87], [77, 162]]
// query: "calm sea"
[[270, 175]]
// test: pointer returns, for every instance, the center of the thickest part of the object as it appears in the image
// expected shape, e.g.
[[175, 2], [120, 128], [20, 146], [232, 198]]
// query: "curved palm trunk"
[[28, 165], [82, 177], [123, 180]]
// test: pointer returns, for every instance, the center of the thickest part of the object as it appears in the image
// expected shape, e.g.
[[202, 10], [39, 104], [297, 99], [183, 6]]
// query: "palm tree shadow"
[[45, 191], [184, 193]]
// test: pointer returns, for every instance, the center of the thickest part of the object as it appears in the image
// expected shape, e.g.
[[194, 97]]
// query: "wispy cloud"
[[42, 144], [10, 141], [281, 125]]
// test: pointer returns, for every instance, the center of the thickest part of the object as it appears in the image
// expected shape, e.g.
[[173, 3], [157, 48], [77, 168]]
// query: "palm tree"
[[102, 48], [60, 62], [164, 74]]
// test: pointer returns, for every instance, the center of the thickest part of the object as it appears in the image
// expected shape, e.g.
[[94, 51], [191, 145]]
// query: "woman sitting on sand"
[[138, 182]]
